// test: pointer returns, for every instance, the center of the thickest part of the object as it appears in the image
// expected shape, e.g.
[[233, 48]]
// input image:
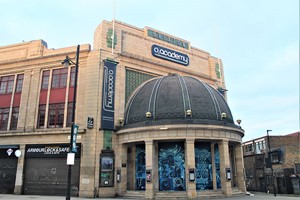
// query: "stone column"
[[213, 164], [19, 175], [149, 193], [240, 167], [224, 163], [190, 164]]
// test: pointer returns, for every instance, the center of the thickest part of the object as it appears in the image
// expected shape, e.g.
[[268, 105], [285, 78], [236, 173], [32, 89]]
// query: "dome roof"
[[176, 99]]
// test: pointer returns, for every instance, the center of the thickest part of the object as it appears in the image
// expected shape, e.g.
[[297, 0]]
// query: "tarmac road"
[[256, 196]]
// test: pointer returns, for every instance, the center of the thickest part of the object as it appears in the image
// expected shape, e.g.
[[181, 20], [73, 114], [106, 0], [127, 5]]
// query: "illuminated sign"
[[170, 55]]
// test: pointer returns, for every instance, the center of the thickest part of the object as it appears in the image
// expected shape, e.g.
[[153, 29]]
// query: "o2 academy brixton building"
[[151, 119]]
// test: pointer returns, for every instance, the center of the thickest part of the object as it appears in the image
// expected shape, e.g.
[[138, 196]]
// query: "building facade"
[[273, 163], [151, 111]]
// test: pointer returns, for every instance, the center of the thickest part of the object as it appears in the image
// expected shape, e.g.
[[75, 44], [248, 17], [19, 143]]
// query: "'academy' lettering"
[[110, 89], [170, 55]]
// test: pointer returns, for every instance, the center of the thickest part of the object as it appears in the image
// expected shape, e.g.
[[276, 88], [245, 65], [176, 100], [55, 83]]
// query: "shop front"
[[46, 170], [8, 168]]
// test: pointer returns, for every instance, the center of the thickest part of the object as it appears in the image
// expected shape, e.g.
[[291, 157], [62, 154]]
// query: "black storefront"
[[8, 168], [46, 170]]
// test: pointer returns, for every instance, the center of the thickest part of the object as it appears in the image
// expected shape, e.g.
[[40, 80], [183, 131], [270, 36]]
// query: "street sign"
[[75, 132], [70, 158], [90, 122]]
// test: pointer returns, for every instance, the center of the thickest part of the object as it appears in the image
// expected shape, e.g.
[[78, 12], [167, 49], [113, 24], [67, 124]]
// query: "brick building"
[[283, 165], [151, 111]]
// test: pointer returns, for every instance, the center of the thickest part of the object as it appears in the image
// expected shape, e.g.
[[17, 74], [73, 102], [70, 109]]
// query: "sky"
[[257, 40]]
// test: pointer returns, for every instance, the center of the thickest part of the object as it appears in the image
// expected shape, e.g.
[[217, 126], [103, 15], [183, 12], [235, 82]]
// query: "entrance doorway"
[[171, 166]]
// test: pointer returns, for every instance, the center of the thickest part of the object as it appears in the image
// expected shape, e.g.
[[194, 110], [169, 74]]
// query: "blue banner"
[[108, 95]]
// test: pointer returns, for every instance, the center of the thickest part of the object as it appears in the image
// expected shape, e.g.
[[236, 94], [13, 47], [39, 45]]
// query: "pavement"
[[253, 196]]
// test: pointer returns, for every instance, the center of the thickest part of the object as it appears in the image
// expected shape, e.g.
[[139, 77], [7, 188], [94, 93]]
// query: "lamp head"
[[238, 121], [66, 63], [148, 114], [121, 120], [223, 115], [188, 113]]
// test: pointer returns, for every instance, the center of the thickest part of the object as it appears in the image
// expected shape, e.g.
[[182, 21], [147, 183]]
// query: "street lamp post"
[[66, 63], [273, 175]]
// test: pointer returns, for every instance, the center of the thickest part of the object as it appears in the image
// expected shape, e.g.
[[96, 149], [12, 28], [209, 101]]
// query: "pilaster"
[[240, 167], [149, 193], [190, 164], [19, 175], [224, 163]]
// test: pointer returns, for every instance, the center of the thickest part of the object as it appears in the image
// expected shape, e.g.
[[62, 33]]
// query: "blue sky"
[[257, 40]]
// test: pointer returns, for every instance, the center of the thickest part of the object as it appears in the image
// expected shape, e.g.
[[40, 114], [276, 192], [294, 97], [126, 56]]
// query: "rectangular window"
[[14, 118], [4, 112], [59, 78], [249, 148], [69, 115], [56, 115], [275, 157], [41, 116], [45, 80], [19, 85], [6, 84]]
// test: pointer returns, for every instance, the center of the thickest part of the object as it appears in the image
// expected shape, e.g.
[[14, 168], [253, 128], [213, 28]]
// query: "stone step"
[[210, 194], [237, 192], [178, 195], [134, 194]]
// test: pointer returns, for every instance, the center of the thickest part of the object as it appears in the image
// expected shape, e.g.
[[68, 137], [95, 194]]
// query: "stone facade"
[[132, 52]]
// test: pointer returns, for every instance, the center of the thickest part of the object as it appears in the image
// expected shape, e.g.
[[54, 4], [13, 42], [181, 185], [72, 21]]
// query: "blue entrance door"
[[140, 167], [171, 166], [204, 180]]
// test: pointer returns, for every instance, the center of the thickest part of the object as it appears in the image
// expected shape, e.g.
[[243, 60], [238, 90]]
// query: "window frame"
[[7, 84], [14, 121], [45, 80], [19, 84], [4, 112], [59, 78], [41, 116], [56, 115]]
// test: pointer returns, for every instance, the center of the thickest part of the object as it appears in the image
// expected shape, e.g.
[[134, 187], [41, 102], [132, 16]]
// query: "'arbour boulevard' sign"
[[171, 55]]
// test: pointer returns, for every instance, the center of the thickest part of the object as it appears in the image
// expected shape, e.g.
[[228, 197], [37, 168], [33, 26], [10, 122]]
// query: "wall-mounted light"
[[223, 115], [148, 114], [239, 121], [120, 120], [188, 113], [18, 153]]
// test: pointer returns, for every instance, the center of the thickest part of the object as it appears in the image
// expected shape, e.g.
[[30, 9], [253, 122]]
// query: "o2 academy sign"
[[170, 55]]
